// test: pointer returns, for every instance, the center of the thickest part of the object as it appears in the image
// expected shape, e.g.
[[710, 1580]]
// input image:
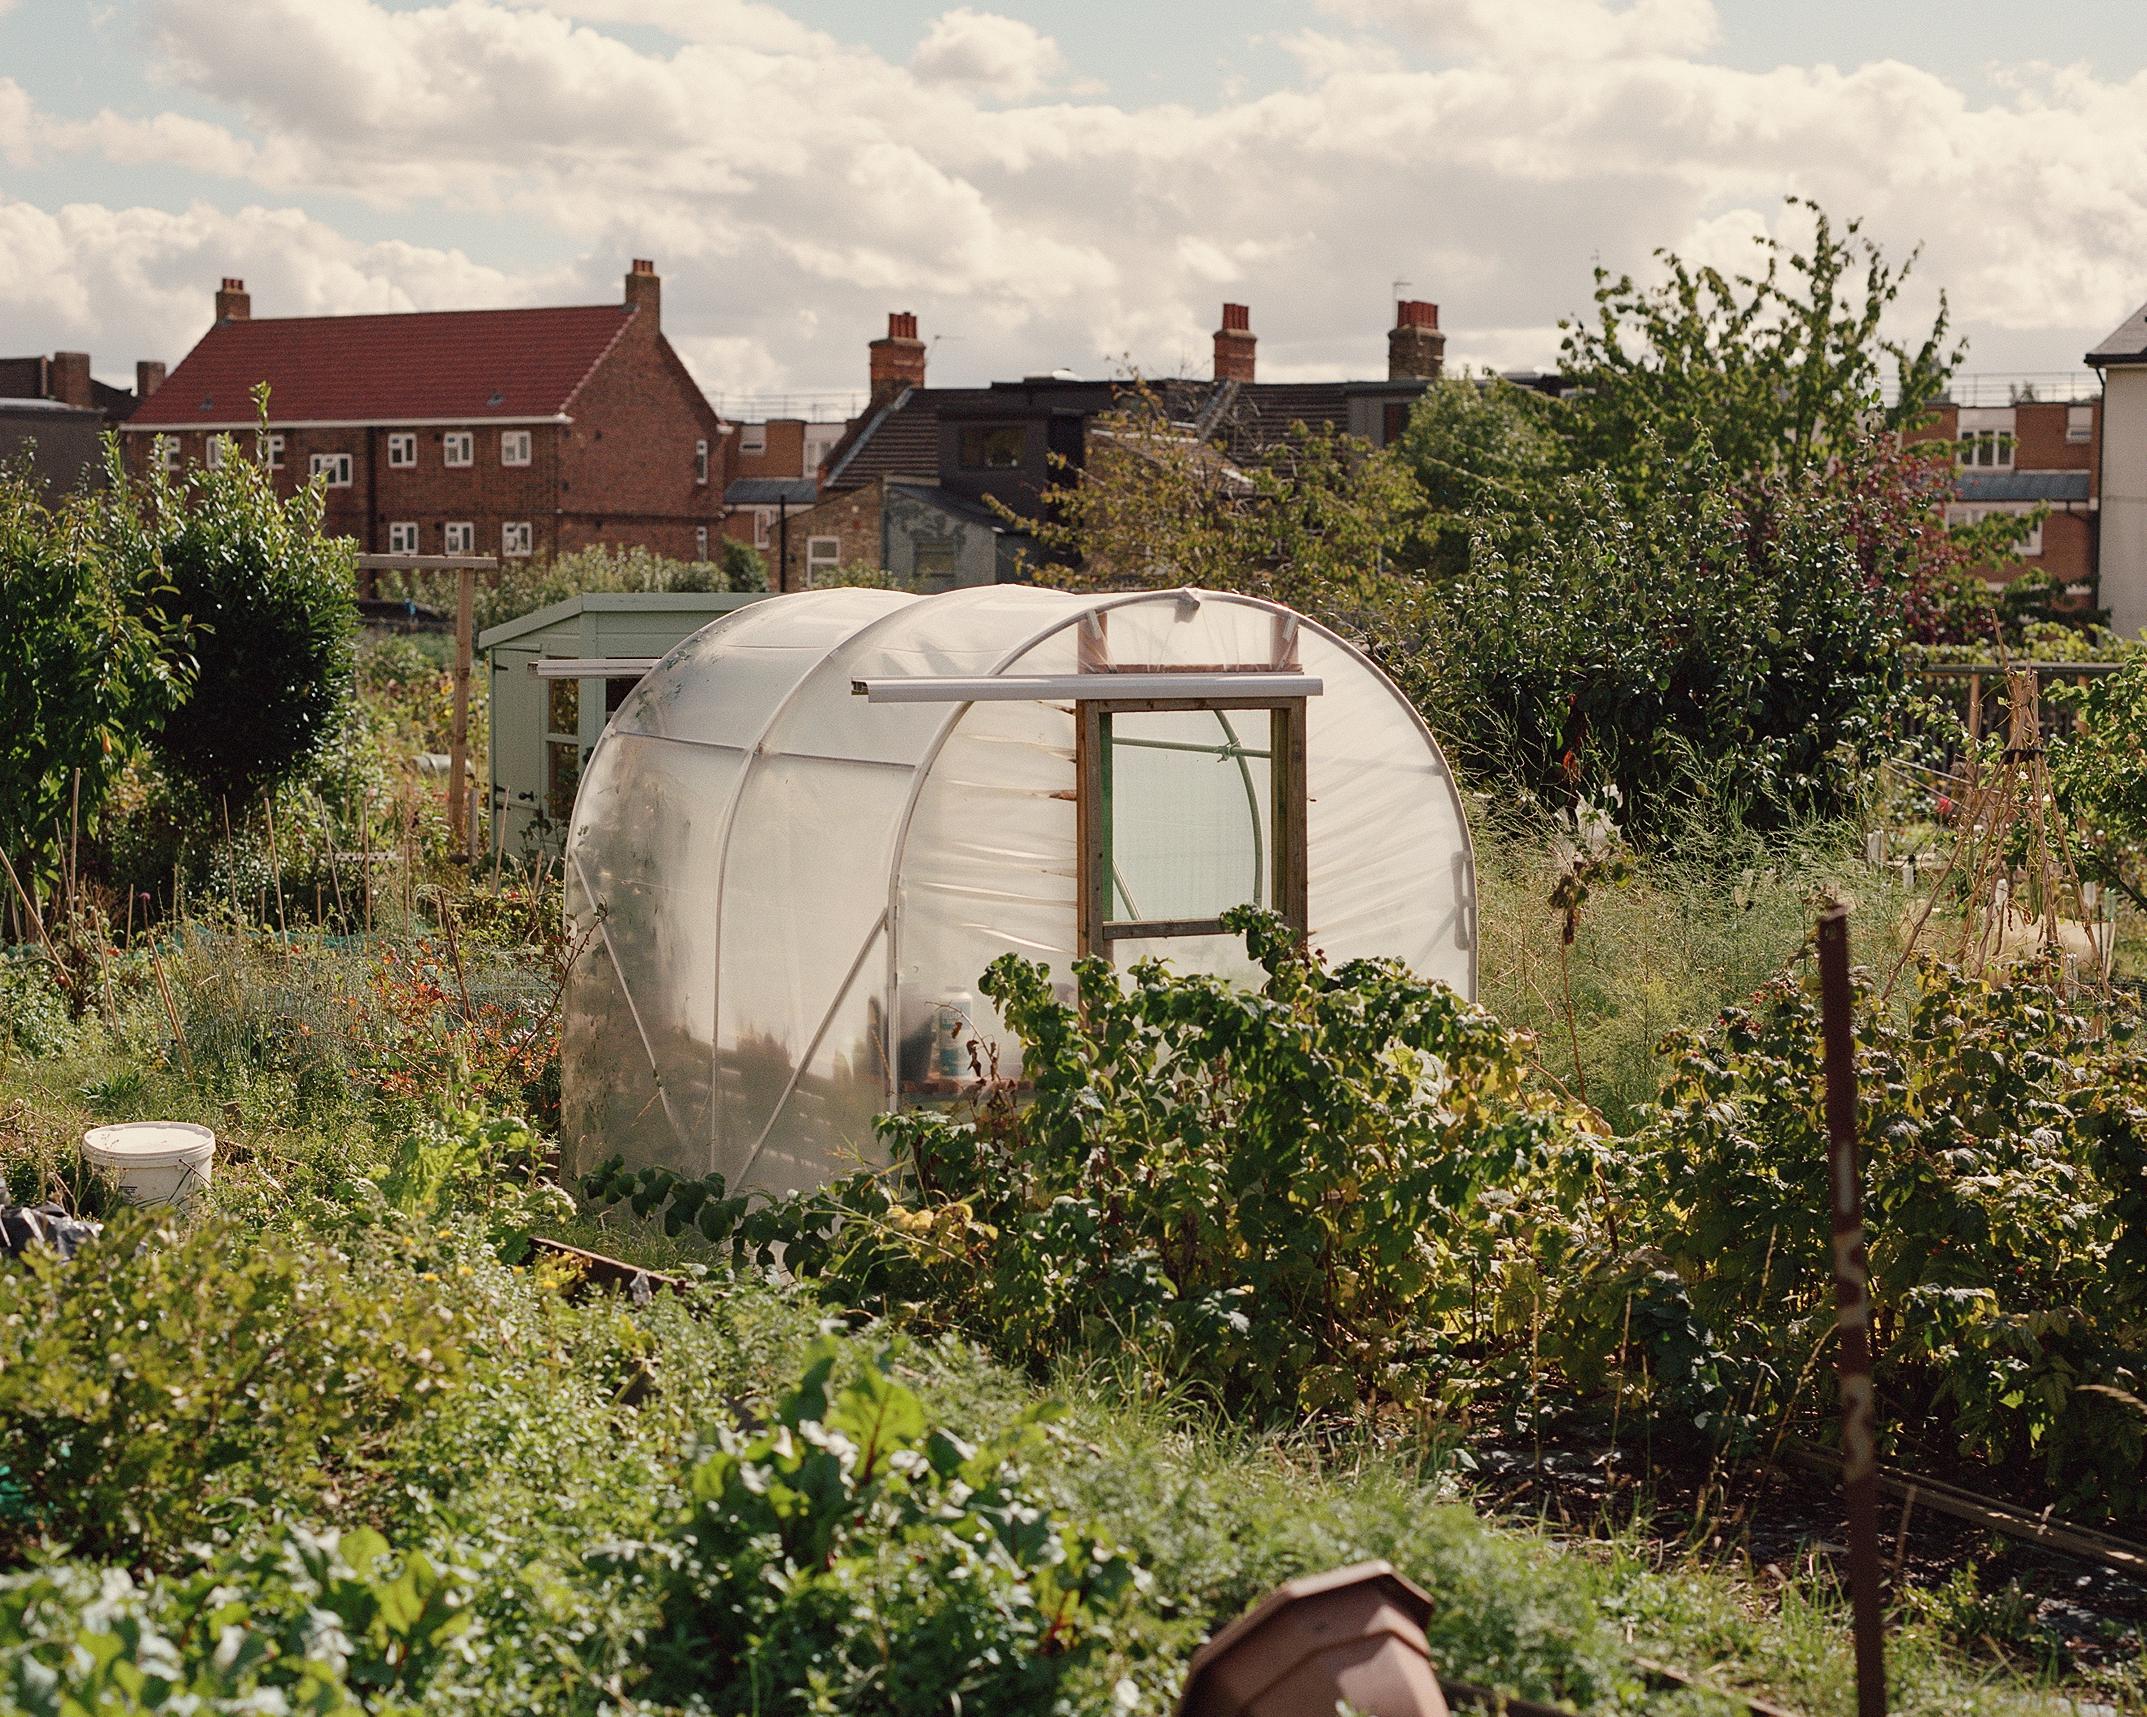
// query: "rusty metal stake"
[[1852, 1312]]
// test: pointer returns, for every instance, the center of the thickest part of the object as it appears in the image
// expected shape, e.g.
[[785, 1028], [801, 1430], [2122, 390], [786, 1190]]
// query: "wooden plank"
[[458, 741], [1951, 1500], [428, 563], [1293, 870], [1141, 929], [1092, 843]]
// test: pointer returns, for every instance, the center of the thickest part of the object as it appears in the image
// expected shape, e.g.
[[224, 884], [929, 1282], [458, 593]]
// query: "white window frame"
[[818, 447], [700, 463], [402, 451], [816, 561], [168, 455], [700, 542], [403, 537], [2079, 424], [275, 450], [752, 438], [326, 466], [459, 537], [514, 446], [763, 517], [458, 449], [517, 539], [212, 454]]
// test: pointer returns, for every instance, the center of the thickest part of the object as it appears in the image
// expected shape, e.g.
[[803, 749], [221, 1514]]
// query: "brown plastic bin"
[[1354, 1634]]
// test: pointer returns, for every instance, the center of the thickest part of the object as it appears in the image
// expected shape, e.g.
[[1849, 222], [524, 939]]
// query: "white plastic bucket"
[[154, 1162]]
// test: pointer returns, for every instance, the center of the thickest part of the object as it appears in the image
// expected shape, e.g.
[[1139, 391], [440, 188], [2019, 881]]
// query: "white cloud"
[[1539, 30], [1000, 58], [794, 187]]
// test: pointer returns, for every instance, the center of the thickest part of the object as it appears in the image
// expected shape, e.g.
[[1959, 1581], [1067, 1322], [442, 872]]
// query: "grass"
[[1686, 935], [545, 1451]]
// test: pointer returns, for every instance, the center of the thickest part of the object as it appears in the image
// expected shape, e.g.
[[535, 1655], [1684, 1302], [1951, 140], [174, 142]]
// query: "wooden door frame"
[[1288, 870]]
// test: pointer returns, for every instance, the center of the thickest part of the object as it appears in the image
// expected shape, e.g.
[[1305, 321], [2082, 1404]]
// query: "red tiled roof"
[[456, 365]]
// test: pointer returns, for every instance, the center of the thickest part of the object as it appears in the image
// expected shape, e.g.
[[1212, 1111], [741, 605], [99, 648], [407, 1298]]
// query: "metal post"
[[1852, 1312], [458, 750]]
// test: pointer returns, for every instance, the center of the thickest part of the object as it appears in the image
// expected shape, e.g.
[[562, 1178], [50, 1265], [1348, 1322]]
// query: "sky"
[[1077, 185]]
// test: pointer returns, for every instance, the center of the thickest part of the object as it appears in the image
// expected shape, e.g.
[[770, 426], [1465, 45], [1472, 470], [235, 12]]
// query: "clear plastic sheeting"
[[785, 893]]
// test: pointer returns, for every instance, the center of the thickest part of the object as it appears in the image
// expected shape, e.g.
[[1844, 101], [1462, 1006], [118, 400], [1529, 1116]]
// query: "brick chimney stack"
[[898, 360], [1234, 344], [1416, 350], [148, 377], [68, 378], [233, 304], [644, 290]]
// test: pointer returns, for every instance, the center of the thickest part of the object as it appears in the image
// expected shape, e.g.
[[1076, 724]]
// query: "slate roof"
[[2124, 344], [423, 366], [898, 439], [2022, 486], [772, 492]]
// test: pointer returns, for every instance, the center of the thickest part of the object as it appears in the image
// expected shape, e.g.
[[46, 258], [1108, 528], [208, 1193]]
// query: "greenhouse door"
[[1186, 809]]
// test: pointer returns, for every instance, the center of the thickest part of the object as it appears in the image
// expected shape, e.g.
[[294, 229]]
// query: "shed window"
[[562, 747], [1188, 811], [993, 447]]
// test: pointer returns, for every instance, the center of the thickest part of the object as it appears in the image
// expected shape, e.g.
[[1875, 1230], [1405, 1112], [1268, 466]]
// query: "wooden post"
[[1852, 1313], [458, 749], [465, 567]]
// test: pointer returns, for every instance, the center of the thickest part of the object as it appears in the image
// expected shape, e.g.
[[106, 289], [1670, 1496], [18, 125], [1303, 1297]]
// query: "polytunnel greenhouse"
[[811, 827]]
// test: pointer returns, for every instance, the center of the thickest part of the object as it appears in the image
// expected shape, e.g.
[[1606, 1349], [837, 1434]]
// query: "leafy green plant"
[[323, 1624], [86, 663], [266, 601], [166, 1384], [849, 1557], [2006, 1137], [1274, 1191]]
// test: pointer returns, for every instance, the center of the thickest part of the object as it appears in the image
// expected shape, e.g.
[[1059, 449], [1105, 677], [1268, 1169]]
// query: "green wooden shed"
[[555, 676]]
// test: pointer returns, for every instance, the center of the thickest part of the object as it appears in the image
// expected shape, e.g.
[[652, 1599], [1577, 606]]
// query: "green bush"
[[2005, 1131], [85, 662], [268, 616], [848, 1558], [327, 1625], [167, 1385], [1273, 1193]]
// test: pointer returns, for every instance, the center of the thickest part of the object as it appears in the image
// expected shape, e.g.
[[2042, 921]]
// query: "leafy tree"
[[1768, 371], [268, 614], [2098, 774], [1709, 642], [1311, 520], [84, 663], [1485, 456]]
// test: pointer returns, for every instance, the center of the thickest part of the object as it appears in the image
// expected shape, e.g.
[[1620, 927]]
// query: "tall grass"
[[1695, 929]]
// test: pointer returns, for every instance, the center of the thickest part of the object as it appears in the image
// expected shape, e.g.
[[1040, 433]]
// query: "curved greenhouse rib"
[[611, 953], [754, 754]]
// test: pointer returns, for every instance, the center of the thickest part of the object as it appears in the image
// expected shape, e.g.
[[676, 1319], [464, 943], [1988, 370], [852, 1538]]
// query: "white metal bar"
[[592, 667], [1058, 688]]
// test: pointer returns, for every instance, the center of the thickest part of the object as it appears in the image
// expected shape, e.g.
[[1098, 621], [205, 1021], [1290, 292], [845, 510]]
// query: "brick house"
[[2025, 455], [509, 432], [921, 483]]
